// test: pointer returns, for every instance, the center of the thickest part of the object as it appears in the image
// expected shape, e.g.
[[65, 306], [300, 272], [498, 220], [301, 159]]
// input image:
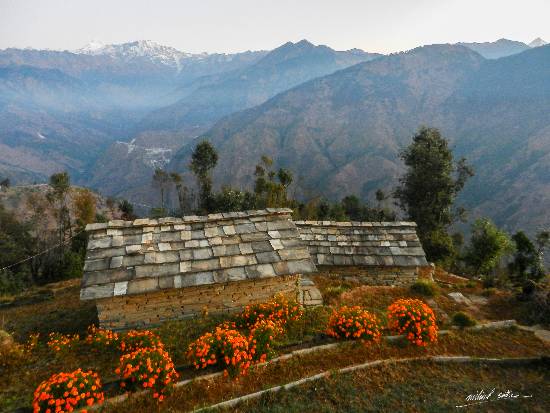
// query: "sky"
[[237, 25]]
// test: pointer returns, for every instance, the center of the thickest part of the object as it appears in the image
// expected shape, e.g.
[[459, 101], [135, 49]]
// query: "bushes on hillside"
[[461, 319], [355, 323], [68, 392], [424, 288], [414, 319]]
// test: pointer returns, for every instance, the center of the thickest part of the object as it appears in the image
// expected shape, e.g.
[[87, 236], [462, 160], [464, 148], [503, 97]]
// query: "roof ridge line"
[[188, 219]]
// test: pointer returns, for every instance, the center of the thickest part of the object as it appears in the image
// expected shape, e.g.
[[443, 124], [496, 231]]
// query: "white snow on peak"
[[538, 42], [140, 49], [93, 47]]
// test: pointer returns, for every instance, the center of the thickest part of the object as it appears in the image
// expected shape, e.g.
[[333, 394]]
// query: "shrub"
[[136, 339], [279, 309], [68, 392], [147, 368], [488, 292], [354, 322], [59, 342], [461, 319], [99, 338], [224, 347], [261, 339], [414, 319], [424, 288]]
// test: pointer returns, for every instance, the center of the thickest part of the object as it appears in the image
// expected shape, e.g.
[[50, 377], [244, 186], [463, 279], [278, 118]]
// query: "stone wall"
[[372, 275], [151, 309]]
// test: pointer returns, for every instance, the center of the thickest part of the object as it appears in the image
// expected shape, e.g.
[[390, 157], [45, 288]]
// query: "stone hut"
[[375, 253], [147, 271]]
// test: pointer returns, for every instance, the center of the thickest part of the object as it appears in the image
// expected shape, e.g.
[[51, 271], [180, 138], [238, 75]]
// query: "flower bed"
[[261, 339], [414, 319], [354, 322], [68, 392], [59, 342], [147, 368], [279, 310], [136, 339], [225, 347], [100, 338]]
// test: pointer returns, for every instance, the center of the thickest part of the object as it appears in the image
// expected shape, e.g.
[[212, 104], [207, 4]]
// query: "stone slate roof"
[[146, 255], [363, 243]]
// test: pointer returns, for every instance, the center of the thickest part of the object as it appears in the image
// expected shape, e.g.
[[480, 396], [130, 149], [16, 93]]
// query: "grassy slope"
[[419, 386], [61, 310]]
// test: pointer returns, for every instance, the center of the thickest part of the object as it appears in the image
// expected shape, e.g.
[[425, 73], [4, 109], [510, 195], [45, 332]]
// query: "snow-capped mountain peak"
[[140, 49], [92, 47], [537, 42]]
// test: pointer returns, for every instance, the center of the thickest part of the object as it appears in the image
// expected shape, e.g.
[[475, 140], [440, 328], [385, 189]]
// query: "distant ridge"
[[538, 42], [497, 49]]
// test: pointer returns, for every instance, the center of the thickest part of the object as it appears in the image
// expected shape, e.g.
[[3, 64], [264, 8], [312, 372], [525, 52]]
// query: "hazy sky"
[[236, 25]]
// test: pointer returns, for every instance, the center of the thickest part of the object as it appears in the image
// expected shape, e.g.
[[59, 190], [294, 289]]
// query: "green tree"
[[488, 245], [58, 196], [203, 160], [527, 263], [161, 180], [181, 192], [271, 187], [15, 245], [127, 210], [429, 188]]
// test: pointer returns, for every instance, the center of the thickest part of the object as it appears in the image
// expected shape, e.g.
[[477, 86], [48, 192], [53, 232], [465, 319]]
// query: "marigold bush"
[[225, 347], [414, 319], [60, 342], [147, 368], [279, 310], [261, 338], [354, 322], [66, 392], [136, 339], [100, 338]]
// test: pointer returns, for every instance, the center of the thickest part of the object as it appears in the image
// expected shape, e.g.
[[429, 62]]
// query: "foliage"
[[414, 319], [279, 309], [136, 339], [127, 210], [261, 338], [461, 319], [68, 392], [16, 244], [429, 188], [354, 322], [147, 368], [225, 347], [425, 288], [100, 338], [487, 246], [59, 342], [527, 262], [161, 179], [229, 199], [349, 208], [271, 187], [203, 160], [85, 207]]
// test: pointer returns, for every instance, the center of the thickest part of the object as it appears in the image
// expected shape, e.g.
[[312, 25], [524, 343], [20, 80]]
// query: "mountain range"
[[110, 114]]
